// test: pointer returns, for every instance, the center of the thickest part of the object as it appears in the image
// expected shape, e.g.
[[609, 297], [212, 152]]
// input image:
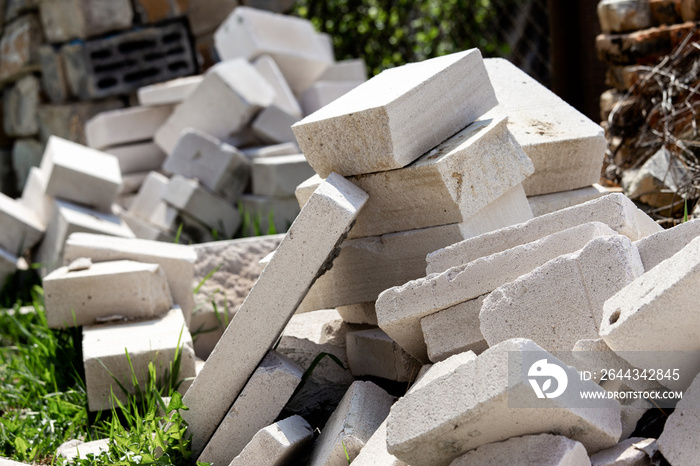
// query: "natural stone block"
[[19, 47], [205, 17], [20, 107], [374, 453], [279, 443], [548, 203], [124, 126], [641, 47], [53, 78], [138, 157], [34, 196], [278, 176], [64, 20], [676, 442], [170, 92], [372, 352], [624, 15], [658, 247], [68, 121], [552, 450], [689, 10], [26, 153], [21, 229], [14, 8], [284, 97]]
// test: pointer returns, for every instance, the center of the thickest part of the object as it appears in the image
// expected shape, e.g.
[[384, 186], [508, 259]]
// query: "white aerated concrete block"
[[510, 208], [21, 229], [543, 449], [149, 204], [170, 92], [79, 174], [177, 261], [217, 165], [260, 402], [301, 255], [143, 229], [359, 414], [115, 289], [104, 355], [630, 452], [474, 398], [279, 176], [132, 182], [658, 247], [138, 157], [562, 301], [125, 126], [548, 203], [273, 125], [231, 93], [400, 309], [397, 116], [653, 321], [372, 352], [34, 196], [277, 444], [322, 93], [346, 70], [566, 148], [678, 440], [614, 210], [374, 453], [362, 313], [290, 41], [284, 97]]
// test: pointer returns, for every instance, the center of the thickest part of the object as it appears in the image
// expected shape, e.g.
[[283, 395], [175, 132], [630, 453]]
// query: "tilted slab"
[[276, 444], [542, 449], [658, 247]]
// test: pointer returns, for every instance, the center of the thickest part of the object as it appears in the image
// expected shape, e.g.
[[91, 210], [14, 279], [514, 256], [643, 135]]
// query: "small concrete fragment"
[[630, 452], [658, 247], [276, 444], [372, 352], [542, 449], [125, 126], [548, 203], [279, 176], [21, 229], [359, 414], [170, 92], [677, 441], [19, 47], [383, 103]]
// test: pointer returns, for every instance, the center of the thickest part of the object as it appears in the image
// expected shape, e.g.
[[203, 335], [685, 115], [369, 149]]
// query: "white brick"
[[260, 208], [677, 441], [139, 157], [34, 196], [615, 210], [362, 313], [346, 70], [630, 452], [510, 208], [143, 229], [548, 203], [359, 414], [225, 101], [79, 174], [400, 309], [562, 301], [21, 229], [372, 352], [543, 449], [154, 341], [278, 176], [259, 403], [149, 204], [474, 397], [284, 97], [566, 148], [286, 148], [305, 189], [255, 328], [322, 93], [170, 92], [277, 444], [124, 126], [374, 452], [274, 125], [177, 261], [397, 116], [658, 247]]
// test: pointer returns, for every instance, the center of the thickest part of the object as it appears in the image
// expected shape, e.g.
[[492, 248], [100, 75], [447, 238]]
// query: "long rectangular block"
[[656, 248], [279, 176], [65, 20], [372, 352], [138, 157], [8, 265], [86, 294], [259, 322], [385, 137], [273, 125], [34, 196], [554, 450], [510, 208], [260, 402], [287, 148], [177, 261], [284, 97], [154, 341], [20, 228], [170, 92], [548, 203], [400, 309], [279, 443], [614, 210], [124, 126], [19, 47]]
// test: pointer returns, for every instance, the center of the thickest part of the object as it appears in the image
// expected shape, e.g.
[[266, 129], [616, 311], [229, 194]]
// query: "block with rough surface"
[[124, 126], [373, 353], [374, 453], [284, 97], [630, 452], [548, 203], [658, 247], [138, 157], [678, 440], [276, 444], [21, 228], [279, 176], [542, 449], [65, 20]]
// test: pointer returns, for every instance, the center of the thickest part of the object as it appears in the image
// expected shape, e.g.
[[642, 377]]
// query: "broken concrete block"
[[79, 174], [614, 210], [218, 166], [64, 20], [278, 176], [372, 352], [658, 247], [394, 142], [566, 148], [359, 414], [21, 107], [662, 301], [260, 402], [286, 148], [510, 208], [556, 314], [630, 452], [190, 198], [624, 15], [322, 93], [138, 157], [256, 326], [177, 261], [96, 292], [284, 97], [19, 47], [76, 449], [157, 340], [124, 126], [269, 212], [26, 153], [676, 441], [346, 70], [225, 272], [544, 449], [274, 125], [548, 203], [454, 330], [362, 313], [474, 397], [68, 121], [279, 443], [21, 229], [170, 92], [400, 309], [230, 95], [374, 452], [34, 196]]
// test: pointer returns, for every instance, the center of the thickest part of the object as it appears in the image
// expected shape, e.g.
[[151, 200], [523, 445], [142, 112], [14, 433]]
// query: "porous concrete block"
[[400, 309], [217, 165], [20, 104], [284, 97], [156, 341], [542, 449], [124, 126], [230, 95], [658, 247], [34, 196], [548, 203], [359, 414], [651, 322], [19, 47], [77, 449], [677, 442], [286, 148], [374, 453], [68, 121], [510, 208], [259, 403], [138, 157], [322, 93], [384, 103], [278, 176], [614, 210], [454, 330], [21, 228], [274, 125], [263, 209], [149, 204], [474, 397], [80, 174], [566, 148], [354, 69], [64, 20], [170, 92], [277, 444], [26, 153], [105, 290], [53, 77], [361, 313], [257, 325], [177, 261], [371, 352], [624, 15], [630, 452], [214, 212], [555, 314]]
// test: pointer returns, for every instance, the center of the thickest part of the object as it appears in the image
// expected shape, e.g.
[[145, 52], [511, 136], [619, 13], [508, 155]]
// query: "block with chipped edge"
[[278, 176], [138, 157], [276, 444], [372, 353], [542, 449]]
